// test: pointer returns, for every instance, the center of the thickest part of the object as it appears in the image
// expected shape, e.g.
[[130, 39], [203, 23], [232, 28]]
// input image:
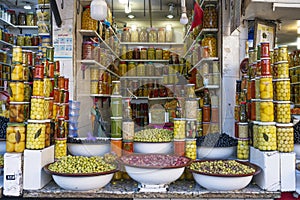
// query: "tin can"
[[50, 53]]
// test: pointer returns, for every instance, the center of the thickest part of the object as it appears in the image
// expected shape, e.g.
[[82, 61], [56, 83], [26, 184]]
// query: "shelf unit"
[[23, 47], [141, 77], [207, 87], [154, 61], [18, 26], [296, 83], [96, 64], [202, 61]]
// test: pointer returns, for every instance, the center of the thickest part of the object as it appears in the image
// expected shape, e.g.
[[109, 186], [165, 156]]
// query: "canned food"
[[267, 140], [266, 111], [285, 137], [15, 137], [36, 134]]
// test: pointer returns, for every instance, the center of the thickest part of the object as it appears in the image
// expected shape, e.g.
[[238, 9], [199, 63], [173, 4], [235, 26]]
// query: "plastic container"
[[36, 134], [74, 111], [282, 112], [18, 112], [73, 125], [285, 137], [267, 136], [15, 137], [73, 118], [266, 110], [179, 128]]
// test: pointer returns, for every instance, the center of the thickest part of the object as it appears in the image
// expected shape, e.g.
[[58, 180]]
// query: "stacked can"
[[20, 93], [282, 88]]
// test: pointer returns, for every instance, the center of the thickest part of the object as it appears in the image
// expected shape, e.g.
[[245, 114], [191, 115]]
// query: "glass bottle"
[[127, 110], [206, 97], [243, 113]]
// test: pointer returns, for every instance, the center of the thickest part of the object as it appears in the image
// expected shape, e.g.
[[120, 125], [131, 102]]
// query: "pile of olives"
[[81, 164], [216, 140], [297, 133], [222, 167], [153, 135]]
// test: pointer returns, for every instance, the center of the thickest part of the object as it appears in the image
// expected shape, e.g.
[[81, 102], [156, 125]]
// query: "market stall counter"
[[181, 189]]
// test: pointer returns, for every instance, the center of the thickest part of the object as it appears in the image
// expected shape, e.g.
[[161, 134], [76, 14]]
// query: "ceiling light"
[[130, 16], [184, 19], [27, 6], [170, 16], [98, 9], [171, 10], [298, 42], [123, 1], [128, 8]]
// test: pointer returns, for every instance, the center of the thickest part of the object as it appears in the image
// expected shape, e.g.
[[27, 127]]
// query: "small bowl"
[[81, 182], [153, 147], [224, 182], [215, 152], [154, 175], [98, 148]]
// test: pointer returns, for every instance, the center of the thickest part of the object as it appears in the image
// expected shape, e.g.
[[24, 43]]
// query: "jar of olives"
[[21, 40], [283, 111], [243, 149], [282, 69], [15, 137], [283, 53], [285, 137], [27, 40], [210, 41], [210, 19], [191, 148], [30, 19], [255, 134], [37, 108], [267, 136], [60, 149], [36, 134], [283, 90]]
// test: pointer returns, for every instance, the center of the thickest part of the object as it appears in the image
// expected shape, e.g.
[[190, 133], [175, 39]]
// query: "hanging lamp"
[[98, 9]]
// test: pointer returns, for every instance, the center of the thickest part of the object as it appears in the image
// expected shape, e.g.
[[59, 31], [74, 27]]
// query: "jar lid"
[[116, 139], [283, 102], [116, 118], [37, 97], [190, 85], [243, 123], [161, 29], [255, 122], [36, 121], [243, 139], [116, 81], [116, 96], [281, 79], [190, 139], [122, 62], [16, 103], [190, 120], [179, 140], [267, 76], [282, 62], [266, 100], [144, 48], [255, 100], [15, 124], [267, 123], [285, 125], [268, 58]]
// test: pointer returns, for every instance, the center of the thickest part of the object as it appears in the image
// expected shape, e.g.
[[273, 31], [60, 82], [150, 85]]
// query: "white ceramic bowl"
[[155, 175], [89, 149], [153, 147], [215, 152], [297, 150], [224, 182], [81, 182]]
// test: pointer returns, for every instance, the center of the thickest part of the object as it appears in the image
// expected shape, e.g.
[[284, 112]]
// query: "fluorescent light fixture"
[[27, 6], [130, 16], [170, 16], [285, 5], [171, 10]]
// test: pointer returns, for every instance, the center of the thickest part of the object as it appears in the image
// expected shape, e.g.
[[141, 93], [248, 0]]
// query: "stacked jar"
[[127, 128], [116, 121], [100, 82], [282, 104], [19, 102], [294, 70]]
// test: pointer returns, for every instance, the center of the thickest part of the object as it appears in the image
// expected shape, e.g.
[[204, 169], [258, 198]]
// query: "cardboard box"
[[13, 174], [269, 162], [34, 161], [287, 172]]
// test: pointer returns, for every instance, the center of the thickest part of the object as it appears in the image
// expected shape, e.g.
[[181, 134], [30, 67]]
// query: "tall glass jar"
[[30, 19], [126, 35], [210, 16], [134, 35], [87, 23], [169, 34], [210, 41], [22, 19], [152, 35], [143, 36], [161, 35]]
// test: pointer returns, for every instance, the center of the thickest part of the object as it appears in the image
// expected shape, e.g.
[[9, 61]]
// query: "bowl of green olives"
[[153, 140], [81, 173], [85, 147], [154, 169], [223, 174]]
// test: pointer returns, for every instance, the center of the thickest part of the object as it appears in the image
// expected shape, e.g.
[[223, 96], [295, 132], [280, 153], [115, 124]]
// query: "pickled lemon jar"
[[243, 149], [211, 42], [267, 140], [283, 90], [266, 110], [285, 137], [191, 148], [17, 72], [266, 87], [38, 87], [37, 108], [35, 135], [15, 137], [283, 111], [282, 69], [17, 91]]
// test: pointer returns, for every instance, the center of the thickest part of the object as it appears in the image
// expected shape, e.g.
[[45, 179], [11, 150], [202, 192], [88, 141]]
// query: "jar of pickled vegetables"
[[116, 87], [37, 108], [285, 137], [22, 19], [116, 106], [266, 111], [122, 68], [161, 35], [158, 54], [87, 23], [191, 128], [143, 36], [134, 35], [131, 71], [17, 55], [15, 137], [17, 73], [191, 108], [128, 130], [94, 74], [38, 87], [140, 70], [116, 127], [190, 91], [151, 53], [152, 35], [36, 134], [283, 90], [126, 35], [267, 140], [60, 148], [18, 112], [179, 128], [210, 19], [210, 41], [282, 53], [94, 87], [243, 130], [282, 69], [282, 111], [179, 147], [21, 40], [143, 54], [191, 148], [243, 149], [30, 19], [265, 67], [17, 91], [266, 87], [255, 134]]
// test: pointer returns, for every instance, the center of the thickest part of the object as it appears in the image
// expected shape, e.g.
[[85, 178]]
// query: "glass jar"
[[283, 90], [60, 148], [190, 91], [37, 108], [131, 71], [169, 34], [266, 111], [27, 40], [35, 135], [243, 149], [266, 87], [128, 130], [285, 137], [136, 53], [283, 53], [116, 127], [150, 69], [129, 54], [116, 106], [21, 40], [87, 23], [152, 35], [14, 131], [191, 128], [126, 37], [116, 87], [122, 68], [283, 112], [35, 40], [143, 54], [151, 53], [158, 54], [265, 67], [210, 41], [191, 107], [13, 17], [282, 69], [87, 49], [143, 36], [210, 16], [179, 128], [267, 140], [140, 70], [30, 19], [161, 35], [191, 148], [134, 35], [18, 112], [22, 19], [17, 55]]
